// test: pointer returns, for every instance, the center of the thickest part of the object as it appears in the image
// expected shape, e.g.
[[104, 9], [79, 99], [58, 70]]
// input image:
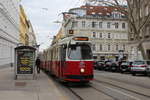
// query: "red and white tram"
[[69, 59]]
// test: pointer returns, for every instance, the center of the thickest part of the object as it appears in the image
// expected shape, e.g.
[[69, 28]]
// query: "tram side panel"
[[54, 66], [69, 69], [76, 70], [72, 71], [62, 61]]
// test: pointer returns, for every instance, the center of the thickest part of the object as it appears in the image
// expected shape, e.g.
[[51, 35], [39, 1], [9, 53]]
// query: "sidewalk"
[[40, 89]]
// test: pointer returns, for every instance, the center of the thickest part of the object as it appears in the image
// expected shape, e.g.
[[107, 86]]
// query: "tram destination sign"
[[25, 62]]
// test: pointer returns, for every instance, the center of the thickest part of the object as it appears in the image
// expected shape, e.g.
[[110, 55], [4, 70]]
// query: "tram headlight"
[[82, 70]]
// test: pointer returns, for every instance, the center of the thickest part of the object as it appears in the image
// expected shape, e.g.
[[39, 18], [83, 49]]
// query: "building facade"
[[140, 12], [106, 28], [23, 27], [9, 30], [31, 34]]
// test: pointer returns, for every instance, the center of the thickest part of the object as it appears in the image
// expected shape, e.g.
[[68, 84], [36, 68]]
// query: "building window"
[[91, 7], [123, 25], [100, 25], [117, 47], [75, 24], [100, 47], [108, 47], [94, 48], [100, 13], [93, 24], [83, 24], [109, 35], [94, 34], [146, 10], [124, 47], [116, 15], [100, 35], [108, 14], [93, 13], [147, 30], [116, 25], [108, 24], [131, 2]]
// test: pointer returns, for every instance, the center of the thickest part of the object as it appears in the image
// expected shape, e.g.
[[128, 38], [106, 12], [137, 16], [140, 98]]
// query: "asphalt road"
[[109, 86]]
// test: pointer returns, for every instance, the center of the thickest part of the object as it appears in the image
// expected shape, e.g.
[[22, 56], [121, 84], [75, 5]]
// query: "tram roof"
[[66, 40]]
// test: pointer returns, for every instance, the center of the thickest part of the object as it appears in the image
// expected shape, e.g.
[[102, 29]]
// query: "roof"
[[99, 10]]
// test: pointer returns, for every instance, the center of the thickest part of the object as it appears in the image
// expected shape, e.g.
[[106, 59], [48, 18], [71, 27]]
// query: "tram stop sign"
[[24, 60]]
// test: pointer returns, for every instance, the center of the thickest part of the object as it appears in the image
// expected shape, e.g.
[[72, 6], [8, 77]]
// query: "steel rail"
[[102, 82]]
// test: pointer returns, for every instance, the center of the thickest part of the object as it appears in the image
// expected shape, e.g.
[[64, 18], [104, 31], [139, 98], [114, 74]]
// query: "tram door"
[[62, 59]]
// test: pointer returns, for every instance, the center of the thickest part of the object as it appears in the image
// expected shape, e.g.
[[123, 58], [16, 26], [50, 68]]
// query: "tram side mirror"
[[64, 46]]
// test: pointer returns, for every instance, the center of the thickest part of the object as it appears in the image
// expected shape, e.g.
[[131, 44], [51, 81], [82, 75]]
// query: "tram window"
[[63, 54], [79, 52], [86, 52], [74, 52]]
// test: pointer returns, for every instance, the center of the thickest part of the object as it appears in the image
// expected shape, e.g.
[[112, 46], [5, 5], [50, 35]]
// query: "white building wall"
[[9, 30], [118, 36]]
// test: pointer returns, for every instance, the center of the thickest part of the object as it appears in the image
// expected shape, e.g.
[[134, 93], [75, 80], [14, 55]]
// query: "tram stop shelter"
[[24, 61]]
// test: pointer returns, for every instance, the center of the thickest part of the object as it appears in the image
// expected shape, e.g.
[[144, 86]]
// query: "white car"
[[140, 67]]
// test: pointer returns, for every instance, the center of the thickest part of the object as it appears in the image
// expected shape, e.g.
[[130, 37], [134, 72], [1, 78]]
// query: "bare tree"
[[136, 20]]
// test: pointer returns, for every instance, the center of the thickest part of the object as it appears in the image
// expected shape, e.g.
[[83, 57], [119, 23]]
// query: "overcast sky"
[[43, 13]]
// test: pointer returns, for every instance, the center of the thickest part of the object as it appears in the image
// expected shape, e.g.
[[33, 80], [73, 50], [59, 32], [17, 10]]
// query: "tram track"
[[106, 93], [81, 97], [123, 81], [123, 88], [114, 98], [74, 93], [81, 92]]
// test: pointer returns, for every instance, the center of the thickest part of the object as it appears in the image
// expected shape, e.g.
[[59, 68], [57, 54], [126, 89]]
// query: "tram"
[[69, 59]]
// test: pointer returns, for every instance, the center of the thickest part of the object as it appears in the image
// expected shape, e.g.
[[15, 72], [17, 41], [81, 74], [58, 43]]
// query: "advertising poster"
[[25, 62]]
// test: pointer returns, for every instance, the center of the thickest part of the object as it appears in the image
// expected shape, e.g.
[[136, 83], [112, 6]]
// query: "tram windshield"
[[79, 52]]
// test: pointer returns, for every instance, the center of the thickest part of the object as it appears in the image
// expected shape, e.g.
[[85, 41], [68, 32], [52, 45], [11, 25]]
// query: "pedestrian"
[[38, 62]]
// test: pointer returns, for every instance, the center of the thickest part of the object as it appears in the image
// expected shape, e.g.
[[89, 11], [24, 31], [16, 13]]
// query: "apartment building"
[[105, 26], [9, 30], [32, 37]]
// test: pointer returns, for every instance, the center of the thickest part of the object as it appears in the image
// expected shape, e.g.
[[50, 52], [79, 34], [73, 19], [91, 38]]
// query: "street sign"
[[24, 60]]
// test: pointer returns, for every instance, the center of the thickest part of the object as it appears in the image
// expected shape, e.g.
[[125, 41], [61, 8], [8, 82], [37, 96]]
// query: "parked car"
[[125, 66], [100, 65], [107, 65], [114, 66], [95, 64], [140, 67]]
